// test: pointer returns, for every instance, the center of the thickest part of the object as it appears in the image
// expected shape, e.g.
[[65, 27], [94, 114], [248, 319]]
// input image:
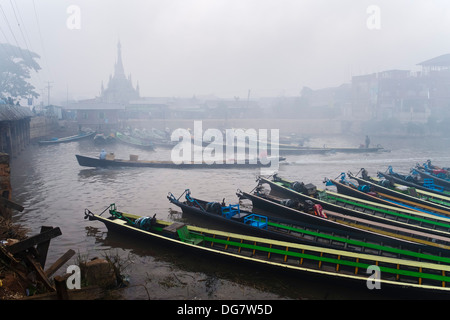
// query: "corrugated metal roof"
[[441, 61], [11, 113]]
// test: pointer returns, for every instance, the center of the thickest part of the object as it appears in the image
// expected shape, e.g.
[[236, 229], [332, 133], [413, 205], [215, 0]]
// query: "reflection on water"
[[55, 190]]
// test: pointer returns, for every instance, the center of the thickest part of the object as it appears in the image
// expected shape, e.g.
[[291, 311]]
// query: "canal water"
[[55, 191]]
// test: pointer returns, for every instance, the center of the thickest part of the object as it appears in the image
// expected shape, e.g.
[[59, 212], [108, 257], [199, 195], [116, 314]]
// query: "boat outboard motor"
[[145, 223], [364, 174], [385, 183], [289, 203], [308, 206], [298, 186], [213, 207]]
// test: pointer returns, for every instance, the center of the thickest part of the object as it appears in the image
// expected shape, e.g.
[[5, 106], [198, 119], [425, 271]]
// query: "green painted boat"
[[347, 225], [385, 196], [306, 228], [412, 180], [440, 198], [359, 208], [368, 270]]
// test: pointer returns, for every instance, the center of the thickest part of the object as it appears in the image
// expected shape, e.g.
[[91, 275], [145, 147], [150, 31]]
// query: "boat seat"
[[189, 237], [257, 221], [120, 221], [230, 210], [429, 183], [173, 228]]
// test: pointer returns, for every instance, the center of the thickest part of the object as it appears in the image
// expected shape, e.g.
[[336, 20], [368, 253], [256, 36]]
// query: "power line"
[[40, 37], [26, 39], [22, 26], [10, 29]]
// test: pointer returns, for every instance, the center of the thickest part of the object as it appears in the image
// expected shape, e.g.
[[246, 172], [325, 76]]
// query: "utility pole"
[[48, 88]]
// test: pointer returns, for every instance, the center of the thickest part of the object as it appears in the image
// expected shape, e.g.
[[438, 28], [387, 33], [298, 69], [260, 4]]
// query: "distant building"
[[435, 80], [106, 111], [402, 94], [148, 108], [99, 115], [440, 63], [326, 103], [387, 94], [120, 88]]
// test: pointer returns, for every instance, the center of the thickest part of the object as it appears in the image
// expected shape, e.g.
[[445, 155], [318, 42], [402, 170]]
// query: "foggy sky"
[[222, 47]]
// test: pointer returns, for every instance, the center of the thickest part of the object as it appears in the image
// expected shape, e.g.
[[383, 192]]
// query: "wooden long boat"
[[443, 182], [326, 233], [413, 197], [438, 228], [435, 196], [291, 150], [79, 136], [435, 169], [373, 230], [358, 150], [103, 139], [104, 163], [409, 181], [388, 199], [134, 141], [402, 274]]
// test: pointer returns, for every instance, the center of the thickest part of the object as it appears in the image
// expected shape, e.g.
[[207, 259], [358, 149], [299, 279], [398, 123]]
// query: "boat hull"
[[104, 163], [433, 228], [355, 227], [134, 141], [68, 139], [287, 256], [394, 200], [298, 227], [282, 150], [437, 181], [408, 199]]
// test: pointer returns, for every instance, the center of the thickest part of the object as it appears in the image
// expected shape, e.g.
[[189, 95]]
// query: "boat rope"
[[89, 213], [108, 207], [188, 197]]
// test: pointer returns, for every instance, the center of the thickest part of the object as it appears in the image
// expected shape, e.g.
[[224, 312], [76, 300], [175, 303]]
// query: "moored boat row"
[[362, 225], [302, 258], [326, 233]]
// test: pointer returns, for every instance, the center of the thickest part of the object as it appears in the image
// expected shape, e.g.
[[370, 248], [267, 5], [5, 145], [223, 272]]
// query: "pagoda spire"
[[119, 71], [120, 88]]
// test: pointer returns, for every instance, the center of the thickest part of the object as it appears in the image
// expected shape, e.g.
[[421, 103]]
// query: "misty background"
[[222, 47]]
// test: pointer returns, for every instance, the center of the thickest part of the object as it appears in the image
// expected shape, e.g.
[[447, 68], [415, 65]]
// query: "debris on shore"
[[23, 277]]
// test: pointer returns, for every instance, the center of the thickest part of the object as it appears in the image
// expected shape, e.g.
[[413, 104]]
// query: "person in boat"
[[367, 141], [102, 154]]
